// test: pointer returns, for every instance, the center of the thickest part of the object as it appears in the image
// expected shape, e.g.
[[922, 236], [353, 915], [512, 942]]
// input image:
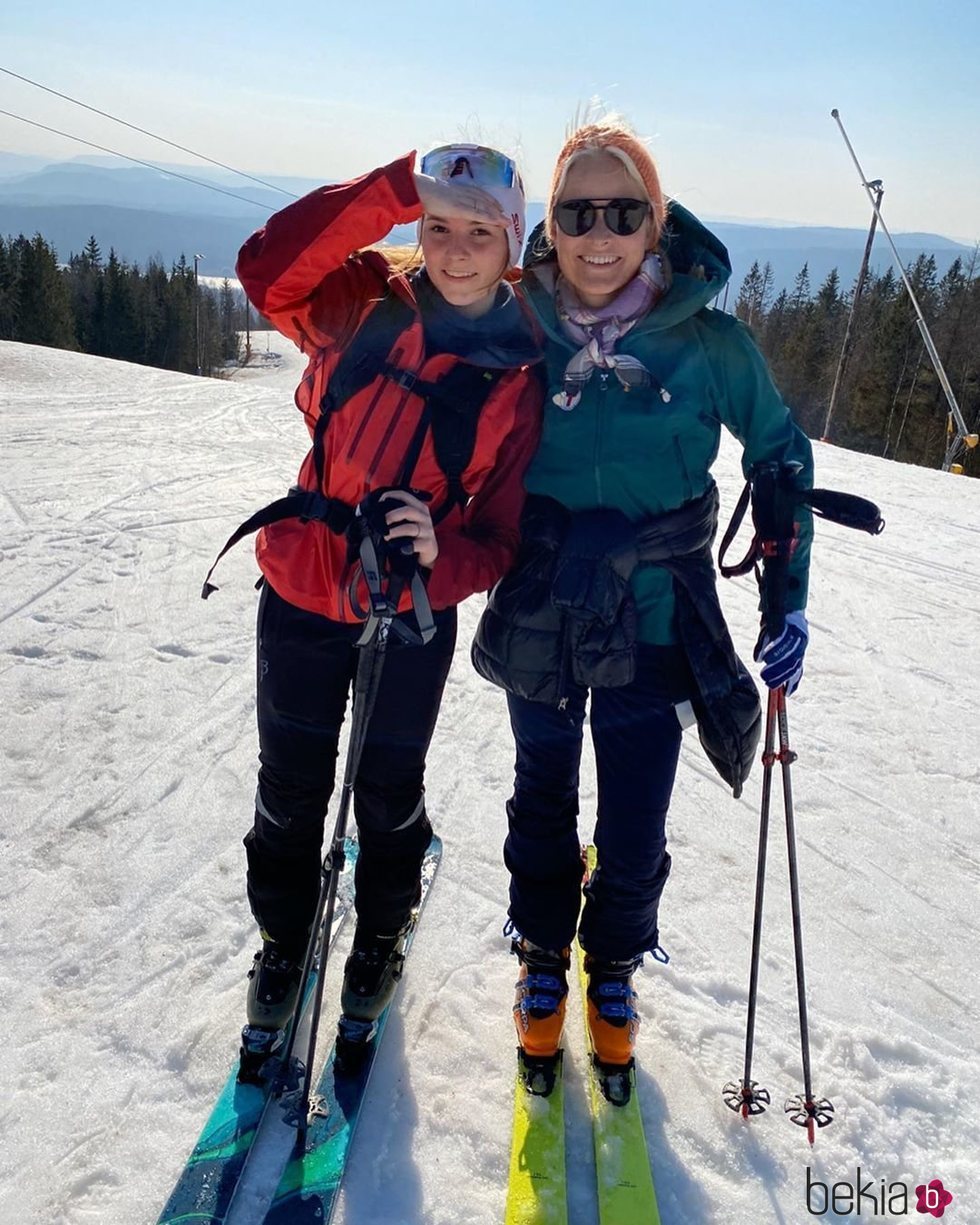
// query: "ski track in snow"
[[127, 780]]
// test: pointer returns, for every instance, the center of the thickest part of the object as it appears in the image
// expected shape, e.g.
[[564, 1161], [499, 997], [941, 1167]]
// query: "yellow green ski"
[[536, 1188], [536, 1193], [624, 1178]]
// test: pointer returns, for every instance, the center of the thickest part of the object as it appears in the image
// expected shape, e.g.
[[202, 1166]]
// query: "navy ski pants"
[[306, 665], [636, 736]]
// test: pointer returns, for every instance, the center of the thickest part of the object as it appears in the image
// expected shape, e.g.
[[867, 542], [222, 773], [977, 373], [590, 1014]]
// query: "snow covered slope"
[[127, 778]]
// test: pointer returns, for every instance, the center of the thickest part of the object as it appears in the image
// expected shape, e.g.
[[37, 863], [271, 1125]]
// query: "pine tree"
[[790, 361], [8, 296], [829, 301], [153, 314], [211, 339], [179, 344], [800, 297], [774, 332], [92, 253], [119, 331], [230, 340], [766, 288], [749, 294], [43, 307], [83, 275]]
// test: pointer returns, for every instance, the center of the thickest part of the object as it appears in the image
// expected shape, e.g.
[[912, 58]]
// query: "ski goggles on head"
[[622, 216], [480, 165]]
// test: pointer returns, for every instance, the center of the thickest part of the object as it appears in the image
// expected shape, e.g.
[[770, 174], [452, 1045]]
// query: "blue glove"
[[782, 657]]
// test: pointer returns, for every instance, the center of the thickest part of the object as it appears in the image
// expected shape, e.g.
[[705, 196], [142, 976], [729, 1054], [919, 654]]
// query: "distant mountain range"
[[144, 213]]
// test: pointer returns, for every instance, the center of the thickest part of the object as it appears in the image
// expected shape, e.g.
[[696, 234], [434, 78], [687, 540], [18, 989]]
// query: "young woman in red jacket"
[[398, 361]]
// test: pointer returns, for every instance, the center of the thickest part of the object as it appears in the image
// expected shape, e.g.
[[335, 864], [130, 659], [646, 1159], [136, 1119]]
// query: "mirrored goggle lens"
[[623, 217], [474, 162]]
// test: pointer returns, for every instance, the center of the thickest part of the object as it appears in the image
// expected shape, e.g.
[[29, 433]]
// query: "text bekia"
[[870, 1197]]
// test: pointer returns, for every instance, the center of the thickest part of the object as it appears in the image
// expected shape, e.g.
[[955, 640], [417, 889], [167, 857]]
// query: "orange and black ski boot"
[[539, 1013], [613, 1024]]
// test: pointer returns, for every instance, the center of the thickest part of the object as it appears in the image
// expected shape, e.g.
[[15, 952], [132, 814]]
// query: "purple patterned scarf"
[[599, 329]]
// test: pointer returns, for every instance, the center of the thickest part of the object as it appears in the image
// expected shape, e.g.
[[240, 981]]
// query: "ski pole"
[[802, 1109], [747, 1097], [367, 680]]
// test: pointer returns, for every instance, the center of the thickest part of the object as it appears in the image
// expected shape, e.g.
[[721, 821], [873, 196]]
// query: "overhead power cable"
[[139, 162], [173, 144]]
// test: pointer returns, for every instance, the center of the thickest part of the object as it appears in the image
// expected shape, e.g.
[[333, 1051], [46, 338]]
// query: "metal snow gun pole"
[[959, 439]]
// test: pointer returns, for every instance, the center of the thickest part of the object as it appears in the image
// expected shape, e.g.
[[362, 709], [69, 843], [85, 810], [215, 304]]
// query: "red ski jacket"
[[306, 272]]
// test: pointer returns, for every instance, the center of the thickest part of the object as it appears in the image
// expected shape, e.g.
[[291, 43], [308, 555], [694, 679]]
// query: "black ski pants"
[[636, 736], [306, 665]]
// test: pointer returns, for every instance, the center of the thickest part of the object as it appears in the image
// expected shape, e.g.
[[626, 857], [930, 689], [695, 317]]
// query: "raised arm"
[[296, 271]]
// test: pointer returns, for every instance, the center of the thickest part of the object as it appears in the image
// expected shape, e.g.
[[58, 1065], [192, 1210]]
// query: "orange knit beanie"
[[596, 137]]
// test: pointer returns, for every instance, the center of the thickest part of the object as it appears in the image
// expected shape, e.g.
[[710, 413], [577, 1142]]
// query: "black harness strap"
[[456, 406], [305, 505], [451, 409], [749, 560], [364, 357], [385, 597], [387, 567]]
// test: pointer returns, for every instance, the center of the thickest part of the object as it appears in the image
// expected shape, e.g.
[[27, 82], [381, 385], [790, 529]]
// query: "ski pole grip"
[[847, 509]]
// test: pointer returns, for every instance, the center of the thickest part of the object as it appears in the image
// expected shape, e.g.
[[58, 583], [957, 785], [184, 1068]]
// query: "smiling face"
[[599, 264], [465, 260]]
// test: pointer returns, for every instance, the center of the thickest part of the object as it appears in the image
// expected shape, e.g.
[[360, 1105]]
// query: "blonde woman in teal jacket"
[[613, 594]]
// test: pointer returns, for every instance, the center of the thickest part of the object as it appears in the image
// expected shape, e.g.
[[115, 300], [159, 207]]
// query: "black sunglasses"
[[623, 217]]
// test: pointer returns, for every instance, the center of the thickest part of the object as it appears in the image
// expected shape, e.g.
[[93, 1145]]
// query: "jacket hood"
[[696, 263]]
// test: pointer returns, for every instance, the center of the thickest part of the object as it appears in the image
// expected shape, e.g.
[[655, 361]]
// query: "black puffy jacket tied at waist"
[[564, 615]]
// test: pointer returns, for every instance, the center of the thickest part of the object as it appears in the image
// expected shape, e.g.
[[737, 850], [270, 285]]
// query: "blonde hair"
[[403, 258], [610, 135]]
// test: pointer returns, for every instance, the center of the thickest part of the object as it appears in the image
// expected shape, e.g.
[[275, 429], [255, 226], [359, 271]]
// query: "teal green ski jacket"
[[641, 453]]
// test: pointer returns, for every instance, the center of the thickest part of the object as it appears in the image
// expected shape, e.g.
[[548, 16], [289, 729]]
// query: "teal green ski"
[[310, 1185], [207, 1183], [246, 1169]]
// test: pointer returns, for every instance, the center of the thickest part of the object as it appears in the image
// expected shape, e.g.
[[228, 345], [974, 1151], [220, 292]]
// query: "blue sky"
[[735, 98]]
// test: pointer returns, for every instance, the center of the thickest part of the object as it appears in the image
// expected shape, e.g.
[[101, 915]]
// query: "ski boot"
[[371, 975], [273, 989], [613, 1025], [539, 1013]]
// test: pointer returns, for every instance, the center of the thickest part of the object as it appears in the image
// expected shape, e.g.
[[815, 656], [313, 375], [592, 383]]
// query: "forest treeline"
[[889, 401], [109, 308]]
